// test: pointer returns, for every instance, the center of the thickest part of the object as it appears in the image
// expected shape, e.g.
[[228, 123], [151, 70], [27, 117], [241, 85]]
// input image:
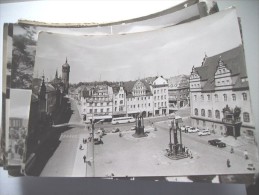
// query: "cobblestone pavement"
[[129, 156]]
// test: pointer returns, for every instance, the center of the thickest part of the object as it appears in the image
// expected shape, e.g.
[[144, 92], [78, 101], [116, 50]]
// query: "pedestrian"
[[232, 150], [81, 147], [228, 163], [246, 154], [84, 157], [191, 155], [187, 152]]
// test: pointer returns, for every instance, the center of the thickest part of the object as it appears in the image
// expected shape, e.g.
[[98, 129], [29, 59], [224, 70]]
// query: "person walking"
[[228, 163], [246, 154], [81, 147], [84, 157]]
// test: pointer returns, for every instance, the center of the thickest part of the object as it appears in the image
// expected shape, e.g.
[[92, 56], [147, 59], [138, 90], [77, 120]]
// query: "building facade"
[[119, 108], [178, 91], [97, 103], [139, 98], [159, 89], [220, 98]]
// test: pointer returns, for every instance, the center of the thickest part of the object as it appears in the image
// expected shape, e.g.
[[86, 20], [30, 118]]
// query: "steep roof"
[[128, 86], [233, 59]]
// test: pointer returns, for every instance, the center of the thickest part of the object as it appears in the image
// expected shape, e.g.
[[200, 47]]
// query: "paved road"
[[129, 156], [67, 160]]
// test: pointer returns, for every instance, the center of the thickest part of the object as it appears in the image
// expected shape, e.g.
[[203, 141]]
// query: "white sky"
[[20, 103], [168, 52]]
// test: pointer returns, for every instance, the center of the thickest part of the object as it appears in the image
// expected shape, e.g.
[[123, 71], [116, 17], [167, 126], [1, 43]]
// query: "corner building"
[[218, 90]]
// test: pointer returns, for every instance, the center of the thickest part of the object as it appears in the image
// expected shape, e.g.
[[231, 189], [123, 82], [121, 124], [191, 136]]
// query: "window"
[[115, 102], [149, 104], [202, 112], [102, 110], [154, 91], [209, 113], [162, 104], [157, 97], [244, 96], [246, 117], [225, 97], [217, 114], [208, 96], [195, 97], [155, 104], [95, 104], [161, 97], [216, 97], [165, 90], [95, 110], [165, 97], [165, 103], [108, 110], [154, 97], [115, 109], [90, 110], [234, 98], [121, 102], [196, 112], [202, 97], [101, 104]]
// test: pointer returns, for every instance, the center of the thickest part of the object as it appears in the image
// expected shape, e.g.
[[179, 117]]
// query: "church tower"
[[65, 76]]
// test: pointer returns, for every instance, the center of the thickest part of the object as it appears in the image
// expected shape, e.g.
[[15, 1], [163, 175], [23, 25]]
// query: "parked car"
[[183, 128], [116, 130], [204, 132], [251, 167], [192, 130], [186, 128], [217, 142]]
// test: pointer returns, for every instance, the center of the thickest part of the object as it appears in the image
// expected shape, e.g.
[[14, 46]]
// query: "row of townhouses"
[[217, 93], [127, 99]]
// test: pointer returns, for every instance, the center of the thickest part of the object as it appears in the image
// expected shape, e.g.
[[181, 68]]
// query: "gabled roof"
[[234, 60], [128, 86]]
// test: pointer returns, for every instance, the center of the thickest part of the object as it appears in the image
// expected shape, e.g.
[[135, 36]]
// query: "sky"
[[20, 103], [168, 52]]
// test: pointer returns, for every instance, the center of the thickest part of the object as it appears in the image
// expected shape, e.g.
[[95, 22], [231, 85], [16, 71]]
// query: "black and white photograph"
[[24, 35], [168, 102]]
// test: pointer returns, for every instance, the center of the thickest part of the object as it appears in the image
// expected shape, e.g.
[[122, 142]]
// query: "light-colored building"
[[159, 90], [139, 98], [119, 102], [219, 95], [97, 103]]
